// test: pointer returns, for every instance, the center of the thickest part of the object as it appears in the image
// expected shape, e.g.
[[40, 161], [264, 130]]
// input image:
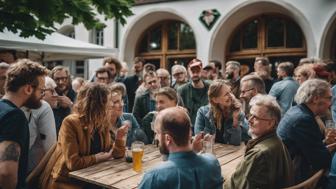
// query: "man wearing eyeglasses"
[[66, 95], [298, 129], [24, 87], [266, 162], [250, 86]]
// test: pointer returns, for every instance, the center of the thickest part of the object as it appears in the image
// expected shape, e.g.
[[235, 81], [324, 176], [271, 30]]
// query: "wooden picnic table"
[[118, 174]]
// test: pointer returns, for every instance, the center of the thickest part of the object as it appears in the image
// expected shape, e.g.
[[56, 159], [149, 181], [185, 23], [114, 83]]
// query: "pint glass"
[[137, 153]]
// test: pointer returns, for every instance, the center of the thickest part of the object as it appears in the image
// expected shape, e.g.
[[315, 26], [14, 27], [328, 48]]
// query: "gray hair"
[[269, 102], [255, 82], [49, 83], [310, 89], [233, 63], [177, 68]]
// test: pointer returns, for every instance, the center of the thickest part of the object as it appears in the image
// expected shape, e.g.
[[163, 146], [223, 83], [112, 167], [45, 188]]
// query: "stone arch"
[[249, 9]]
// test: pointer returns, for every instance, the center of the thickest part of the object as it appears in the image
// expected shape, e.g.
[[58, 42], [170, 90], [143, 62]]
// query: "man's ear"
[[169, 139], [28, 89]]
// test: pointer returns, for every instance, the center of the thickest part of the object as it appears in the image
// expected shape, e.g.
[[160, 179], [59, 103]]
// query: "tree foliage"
[[38, 17]]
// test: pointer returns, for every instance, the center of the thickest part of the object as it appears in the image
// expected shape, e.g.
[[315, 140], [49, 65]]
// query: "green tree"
[[38, 17]]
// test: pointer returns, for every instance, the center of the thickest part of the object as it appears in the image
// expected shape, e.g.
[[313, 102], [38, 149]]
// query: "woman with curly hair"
[[84, 140], [223, 116]]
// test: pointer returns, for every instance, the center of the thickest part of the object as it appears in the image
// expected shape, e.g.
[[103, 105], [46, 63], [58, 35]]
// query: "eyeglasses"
[[252, 116], [115, 103], [41, 89], [245, 91], [103, 78], [58, 79]]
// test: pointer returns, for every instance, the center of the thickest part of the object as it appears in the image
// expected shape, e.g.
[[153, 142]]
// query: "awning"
[[54, 47]]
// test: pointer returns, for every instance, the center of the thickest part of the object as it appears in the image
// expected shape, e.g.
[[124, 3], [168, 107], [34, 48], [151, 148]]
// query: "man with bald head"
[[184, 168]]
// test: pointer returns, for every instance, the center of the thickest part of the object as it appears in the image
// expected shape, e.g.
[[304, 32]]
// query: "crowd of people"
[[52, 124]]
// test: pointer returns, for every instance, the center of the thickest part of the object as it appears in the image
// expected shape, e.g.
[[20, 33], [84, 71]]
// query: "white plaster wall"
[[315, 17]]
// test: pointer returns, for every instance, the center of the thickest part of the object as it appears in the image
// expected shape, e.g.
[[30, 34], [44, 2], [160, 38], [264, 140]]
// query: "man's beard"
[[61, 91], [33, 102], [163, 147], [196, 79]]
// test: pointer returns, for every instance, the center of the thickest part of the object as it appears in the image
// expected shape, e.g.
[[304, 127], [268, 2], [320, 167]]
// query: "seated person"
[[118, 118], [184, 169], [166, 97], [84, 140], [223, 117], [267, 163]]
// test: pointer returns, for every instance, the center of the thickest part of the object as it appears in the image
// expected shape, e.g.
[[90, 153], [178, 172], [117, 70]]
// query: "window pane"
[[250, 35], [187, 40], [172, 35], [235, 44], [155, 38], [275, 32], [155, 62], [143, 46], [178, 60], [294, 36]]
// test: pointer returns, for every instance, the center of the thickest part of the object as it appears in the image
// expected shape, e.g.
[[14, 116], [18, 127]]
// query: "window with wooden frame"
[[167, 43], [275, 36]]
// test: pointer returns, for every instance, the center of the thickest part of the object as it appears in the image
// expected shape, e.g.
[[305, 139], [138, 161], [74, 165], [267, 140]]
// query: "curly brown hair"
[[24, 72], [92, 105]]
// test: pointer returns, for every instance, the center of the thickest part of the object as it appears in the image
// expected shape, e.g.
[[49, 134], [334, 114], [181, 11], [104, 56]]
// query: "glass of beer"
[[137, 153]]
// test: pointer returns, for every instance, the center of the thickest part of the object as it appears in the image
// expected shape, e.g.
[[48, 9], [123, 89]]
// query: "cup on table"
[[137, 154], [208, 144]]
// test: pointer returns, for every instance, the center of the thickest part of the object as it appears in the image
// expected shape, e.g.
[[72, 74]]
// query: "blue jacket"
[[135, 132], [284, 92], [185, 170], [332, 174], [206, 122], [301, 134]]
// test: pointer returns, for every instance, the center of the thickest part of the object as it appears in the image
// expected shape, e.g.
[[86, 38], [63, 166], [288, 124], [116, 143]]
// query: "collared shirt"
[[284, 92], [185, 170]]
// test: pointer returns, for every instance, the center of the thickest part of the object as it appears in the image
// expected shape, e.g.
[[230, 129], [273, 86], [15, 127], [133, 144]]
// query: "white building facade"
[[170, 32]]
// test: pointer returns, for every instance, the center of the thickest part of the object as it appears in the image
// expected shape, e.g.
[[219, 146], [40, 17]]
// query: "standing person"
[[41, 126], [84, 140], [194, 93], [223, 116], [232, 71], [284, 90], [66, 95], [262, 69], [184, 168], [164, 77], [300, 132], [179, 73], [134, 81], [24, 87], [145, 103], [114, 65], [104, 76], [267, 163]]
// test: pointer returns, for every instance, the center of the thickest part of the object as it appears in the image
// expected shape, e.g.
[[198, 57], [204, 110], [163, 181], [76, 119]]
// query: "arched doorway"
[[167, 43], [275, 36]]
